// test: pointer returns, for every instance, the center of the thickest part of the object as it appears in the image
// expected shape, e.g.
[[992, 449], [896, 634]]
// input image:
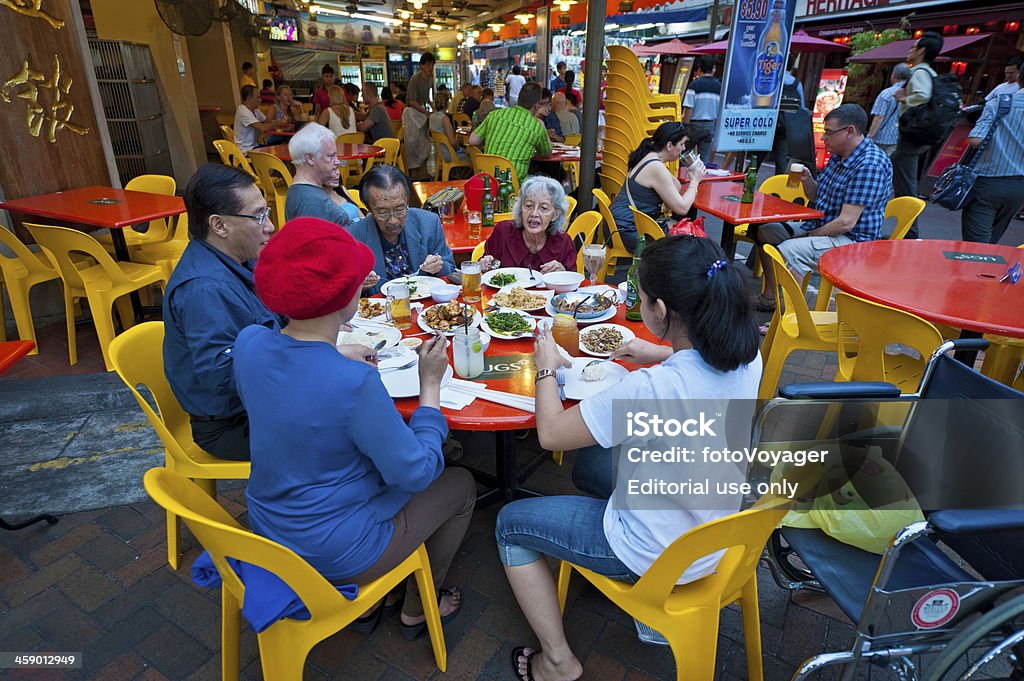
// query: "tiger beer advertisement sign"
[[755, 62]]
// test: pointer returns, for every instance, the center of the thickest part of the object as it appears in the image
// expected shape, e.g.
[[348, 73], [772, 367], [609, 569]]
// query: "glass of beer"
[[473, 219], [447, 212], [397, 308], [796, 175], [471, 281], [593, 259]]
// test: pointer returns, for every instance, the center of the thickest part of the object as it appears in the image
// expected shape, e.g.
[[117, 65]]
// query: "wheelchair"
[[946, 598]]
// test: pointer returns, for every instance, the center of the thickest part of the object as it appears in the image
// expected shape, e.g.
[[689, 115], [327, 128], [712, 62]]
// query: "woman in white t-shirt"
[[691, 297]]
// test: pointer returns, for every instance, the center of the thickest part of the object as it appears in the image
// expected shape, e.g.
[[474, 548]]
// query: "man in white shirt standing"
[[514, 82], [1008, 86], [250, 121]]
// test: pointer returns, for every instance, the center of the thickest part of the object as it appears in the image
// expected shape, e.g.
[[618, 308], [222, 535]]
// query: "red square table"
[[722, 199], [456, 233], [346, 151]]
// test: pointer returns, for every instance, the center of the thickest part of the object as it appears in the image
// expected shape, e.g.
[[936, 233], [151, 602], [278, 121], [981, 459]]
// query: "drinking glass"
[[593, 259], [471, 281], [447, 212], [398, 311], [473, 219], [468, 352], [796, 175]]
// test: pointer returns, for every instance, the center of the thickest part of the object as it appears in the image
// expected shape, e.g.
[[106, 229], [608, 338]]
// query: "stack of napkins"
[[455, 399], [497, 396]]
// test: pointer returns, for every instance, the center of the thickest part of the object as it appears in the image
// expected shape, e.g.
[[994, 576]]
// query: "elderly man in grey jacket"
[[404, 240]]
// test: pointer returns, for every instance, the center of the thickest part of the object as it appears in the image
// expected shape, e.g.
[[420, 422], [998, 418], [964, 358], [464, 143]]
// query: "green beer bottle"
[[487, 205], [632, 285], [750, 182]]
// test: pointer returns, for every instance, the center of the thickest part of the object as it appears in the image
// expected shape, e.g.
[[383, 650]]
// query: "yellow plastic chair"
[[20, 273], [137, 356], [444, 168], [623, 60], [646, 225], [572, 207], [776, 186], [285, 644], [616, 249], [275, 178], [228, 133], [351, 169], [584, 226], [611, 183], [392, 146], [485, 163], [688, 615], [462, 120], [231, 155], [166, 254], [867, 329], [159, 230], [793, 326], [905, 210], [356, 199], [573, 140], [105, 284]]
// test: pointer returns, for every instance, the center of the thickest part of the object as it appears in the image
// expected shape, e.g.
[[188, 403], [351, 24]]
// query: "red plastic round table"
[[504, 421], [946, 282], [456, 233]]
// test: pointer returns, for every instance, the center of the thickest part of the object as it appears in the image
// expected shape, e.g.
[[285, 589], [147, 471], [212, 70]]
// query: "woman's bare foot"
[[542, 668], [451, 600]]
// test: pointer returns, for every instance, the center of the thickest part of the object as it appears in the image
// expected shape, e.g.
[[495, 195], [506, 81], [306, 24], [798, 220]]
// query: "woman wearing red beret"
[[337, 475]]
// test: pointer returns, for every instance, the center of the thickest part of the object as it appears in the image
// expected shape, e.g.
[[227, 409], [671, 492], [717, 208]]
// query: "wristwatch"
[[543, 373]]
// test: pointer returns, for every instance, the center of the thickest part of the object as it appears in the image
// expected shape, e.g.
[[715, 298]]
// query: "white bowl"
[[444, 293], [563, 282]]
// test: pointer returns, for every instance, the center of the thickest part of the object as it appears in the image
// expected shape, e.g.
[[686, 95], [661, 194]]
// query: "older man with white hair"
[[315, 189]]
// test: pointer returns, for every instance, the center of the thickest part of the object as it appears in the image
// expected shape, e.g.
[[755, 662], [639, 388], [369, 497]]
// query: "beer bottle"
[[750, 182], [770, 60], [505, 192], [632, 283], [487, 205]]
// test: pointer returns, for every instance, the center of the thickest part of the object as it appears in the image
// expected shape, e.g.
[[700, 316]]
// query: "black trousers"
[[225, 438], [996, 201]]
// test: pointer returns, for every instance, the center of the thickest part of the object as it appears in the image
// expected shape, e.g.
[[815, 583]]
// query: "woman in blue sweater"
[[337, 475]]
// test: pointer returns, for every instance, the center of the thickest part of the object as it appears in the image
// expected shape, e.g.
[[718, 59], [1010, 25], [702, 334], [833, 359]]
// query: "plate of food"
[[508, 323], [371, 337], [507, 276], [600, 340], [445, 317], [406, 382], [419, 286], [586, 305], [587, 377], [372, 308], [518, 298]]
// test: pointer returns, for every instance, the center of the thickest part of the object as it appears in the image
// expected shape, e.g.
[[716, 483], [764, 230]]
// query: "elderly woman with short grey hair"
[[316, 190], [535, 237]]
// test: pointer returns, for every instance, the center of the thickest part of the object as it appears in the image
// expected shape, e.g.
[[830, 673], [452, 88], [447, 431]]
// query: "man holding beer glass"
[[404, 241], [852, 191]]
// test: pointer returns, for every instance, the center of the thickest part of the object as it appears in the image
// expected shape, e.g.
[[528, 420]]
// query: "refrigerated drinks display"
[[446, 73], [349, 72], [375, 65]]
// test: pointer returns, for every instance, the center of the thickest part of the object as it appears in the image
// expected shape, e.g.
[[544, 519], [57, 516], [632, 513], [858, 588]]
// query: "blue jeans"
[[593, 472], [567, 528]]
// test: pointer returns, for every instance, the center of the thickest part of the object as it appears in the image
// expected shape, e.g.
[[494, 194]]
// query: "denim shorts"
[[567, 528]]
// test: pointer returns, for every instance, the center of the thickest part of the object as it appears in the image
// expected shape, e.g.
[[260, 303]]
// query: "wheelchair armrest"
[[976, 521], [838, 391]]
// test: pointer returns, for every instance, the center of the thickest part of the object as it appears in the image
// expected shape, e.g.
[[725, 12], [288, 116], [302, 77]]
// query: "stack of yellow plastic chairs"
[[632, 111]]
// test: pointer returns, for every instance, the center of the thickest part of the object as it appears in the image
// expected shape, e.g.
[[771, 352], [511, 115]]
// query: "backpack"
[[790, 100], [929, 123]]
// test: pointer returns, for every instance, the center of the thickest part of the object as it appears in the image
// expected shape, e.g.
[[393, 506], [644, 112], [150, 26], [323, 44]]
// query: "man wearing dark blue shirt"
[[210, 298]]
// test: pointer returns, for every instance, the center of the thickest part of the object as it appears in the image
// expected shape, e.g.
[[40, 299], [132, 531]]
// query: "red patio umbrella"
[[674, 46], [801, 42]]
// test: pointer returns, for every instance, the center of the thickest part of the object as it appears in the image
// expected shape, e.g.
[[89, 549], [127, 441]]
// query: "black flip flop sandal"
[[516, 654]]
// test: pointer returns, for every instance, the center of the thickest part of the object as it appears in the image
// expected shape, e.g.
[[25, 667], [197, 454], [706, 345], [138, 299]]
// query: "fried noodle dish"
[[519, 299], [603, 340], [448, 316], [370, 308]]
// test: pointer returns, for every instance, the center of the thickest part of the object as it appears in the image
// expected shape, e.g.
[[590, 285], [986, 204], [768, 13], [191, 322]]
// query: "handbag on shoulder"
[[955, 187]]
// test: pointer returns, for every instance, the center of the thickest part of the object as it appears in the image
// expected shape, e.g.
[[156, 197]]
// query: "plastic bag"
[[864, 510], [689, 227]]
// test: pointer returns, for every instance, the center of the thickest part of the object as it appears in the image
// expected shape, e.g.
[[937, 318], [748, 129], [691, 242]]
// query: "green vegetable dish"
[[507, 323], [503, 279]]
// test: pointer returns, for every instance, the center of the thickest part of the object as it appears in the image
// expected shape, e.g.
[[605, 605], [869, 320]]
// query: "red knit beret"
[[311, 268]]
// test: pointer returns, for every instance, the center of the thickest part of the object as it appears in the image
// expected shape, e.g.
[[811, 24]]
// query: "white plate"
[[627, 336], [608, 314], [497, 334], [382, 317], [547, 293], [406, 382], [524, 277], [578, 389], [370, 337], [423, 285], [426, 327]]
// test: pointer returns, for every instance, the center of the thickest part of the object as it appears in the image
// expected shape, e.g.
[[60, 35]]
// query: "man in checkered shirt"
[[852, 193]]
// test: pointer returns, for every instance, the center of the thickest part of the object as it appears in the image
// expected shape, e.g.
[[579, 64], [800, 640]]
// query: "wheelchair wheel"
[[783, 552], [999, 633]]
